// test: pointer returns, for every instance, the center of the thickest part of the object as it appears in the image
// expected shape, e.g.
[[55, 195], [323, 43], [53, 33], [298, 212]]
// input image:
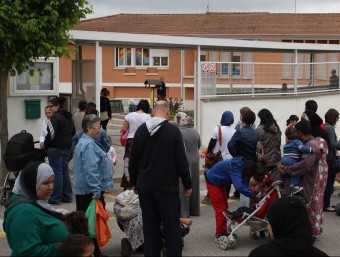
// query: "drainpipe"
[[98, 72], [182, 75], [197, 92], [295, 70]]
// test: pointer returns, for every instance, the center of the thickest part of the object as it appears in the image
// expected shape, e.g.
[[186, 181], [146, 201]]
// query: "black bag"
[[20, 151], [211, 159]]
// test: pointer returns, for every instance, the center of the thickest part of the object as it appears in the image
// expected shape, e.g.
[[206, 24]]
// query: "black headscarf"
[[291, 226], [315, 122]]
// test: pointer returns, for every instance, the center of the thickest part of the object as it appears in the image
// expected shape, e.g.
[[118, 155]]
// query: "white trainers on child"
[[296, 189]]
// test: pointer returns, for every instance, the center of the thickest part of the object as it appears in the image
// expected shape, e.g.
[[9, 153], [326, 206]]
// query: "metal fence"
[[254, 78]]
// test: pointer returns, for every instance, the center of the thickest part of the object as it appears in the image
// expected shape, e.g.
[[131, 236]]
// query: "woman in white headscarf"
[[192, 144], [32, 226]]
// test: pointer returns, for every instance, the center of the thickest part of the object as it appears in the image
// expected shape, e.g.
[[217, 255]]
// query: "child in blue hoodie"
[[221, 176]]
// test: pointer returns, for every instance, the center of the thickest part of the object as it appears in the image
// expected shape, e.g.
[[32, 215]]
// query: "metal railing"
[[258, 78]]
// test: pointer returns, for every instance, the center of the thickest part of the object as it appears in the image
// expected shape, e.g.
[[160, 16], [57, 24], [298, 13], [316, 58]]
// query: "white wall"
[[17, 116], [280, 106]]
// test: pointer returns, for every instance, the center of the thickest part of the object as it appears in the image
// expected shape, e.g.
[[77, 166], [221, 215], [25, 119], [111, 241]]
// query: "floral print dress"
[[315, 206]]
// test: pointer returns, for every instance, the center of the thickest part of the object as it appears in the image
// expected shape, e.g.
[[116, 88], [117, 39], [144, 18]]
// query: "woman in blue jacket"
[[92, 169]]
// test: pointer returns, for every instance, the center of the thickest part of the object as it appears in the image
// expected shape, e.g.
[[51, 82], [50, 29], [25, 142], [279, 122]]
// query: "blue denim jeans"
[[58, 160]]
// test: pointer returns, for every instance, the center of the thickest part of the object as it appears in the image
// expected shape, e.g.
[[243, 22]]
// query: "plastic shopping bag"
[[91, 217]]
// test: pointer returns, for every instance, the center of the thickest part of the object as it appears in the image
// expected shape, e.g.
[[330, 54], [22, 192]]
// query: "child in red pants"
[[221, 176]]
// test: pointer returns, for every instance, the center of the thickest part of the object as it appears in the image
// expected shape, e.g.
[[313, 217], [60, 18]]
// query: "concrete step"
[[116, 121], [113, 126], [118, 115]]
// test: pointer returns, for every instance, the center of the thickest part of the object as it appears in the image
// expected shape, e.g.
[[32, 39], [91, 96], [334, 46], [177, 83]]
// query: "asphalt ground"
[[200, 240]]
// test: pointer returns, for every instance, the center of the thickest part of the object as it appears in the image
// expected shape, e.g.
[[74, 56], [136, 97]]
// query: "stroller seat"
[[19, 152]]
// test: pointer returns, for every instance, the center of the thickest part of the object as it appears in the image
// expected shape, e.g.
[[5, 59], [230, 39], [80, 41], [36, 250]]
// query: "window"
[[236, 65], [160, 57], [123, 56], [203, 56], [142, 57], [224, 57], [42, 79]]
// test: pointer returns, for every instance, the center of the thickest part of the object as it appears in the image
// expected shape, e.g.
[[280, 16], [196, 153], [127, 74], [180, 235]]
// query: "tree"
[[30, 29]]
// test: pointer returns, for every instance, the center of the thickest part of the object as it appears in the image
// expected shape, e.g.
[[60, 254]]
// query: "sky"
[[110, 7]]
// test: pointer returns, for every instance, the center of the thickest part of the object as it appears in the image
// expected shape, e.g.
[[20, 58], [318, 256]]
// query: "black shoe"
[[126, 248]]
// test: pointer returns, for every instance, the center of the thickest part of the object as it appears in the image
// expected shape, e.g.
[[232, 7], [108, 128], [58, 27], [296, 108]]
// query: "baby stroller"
[[256, 219], [19, 152]]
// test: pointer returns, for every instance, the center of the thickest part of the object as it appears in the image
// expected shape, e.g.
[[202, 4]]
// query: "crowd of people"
[[161, 165]]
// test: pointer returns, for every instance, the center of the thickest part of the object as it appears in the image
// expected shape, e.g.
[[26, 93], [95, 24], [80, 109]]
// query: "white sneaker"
[[296, 189]]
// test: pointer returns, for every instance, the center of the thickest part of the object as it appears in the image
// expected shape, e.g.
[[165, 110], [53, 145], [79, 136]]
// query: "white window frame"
[[34, 88], [125, 57]]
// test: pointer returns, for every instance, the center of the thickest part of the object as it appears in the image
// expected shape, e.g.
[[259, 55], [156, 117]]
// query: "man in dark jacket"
[[156, 162]]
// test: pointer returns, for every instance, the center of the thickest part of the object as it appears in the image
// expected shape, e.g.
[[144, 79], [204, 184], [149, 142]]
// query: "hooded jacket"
[[158, 157], [228, 172], [271, 141], [60, 129]]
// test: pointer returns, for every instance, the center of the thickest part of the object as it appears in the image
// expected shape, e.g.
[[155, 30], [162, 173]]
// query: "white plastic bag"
[[126, 205]]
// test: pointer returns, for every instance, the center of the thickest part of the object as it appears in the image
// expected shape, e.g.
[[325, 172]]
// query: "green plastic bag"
[[91, 217]]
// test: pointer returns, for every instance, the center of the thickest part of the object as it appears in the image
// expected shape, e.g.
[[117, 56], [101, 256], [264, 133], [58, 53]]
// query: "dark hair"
[[261, 171], [249, 168], [243, 110], [291, 133], [331, 116], [91, 110], [143, 105], [91, 105], [74, 245], [104, 92], [292, 117], [58, 101], [82, 105], [311, 105], [78, 223], [266, 119], [304, 127], [249, 117]]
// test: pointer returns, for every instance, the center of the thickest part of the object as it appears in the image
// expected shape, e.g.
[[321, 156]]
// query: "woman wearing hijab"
[[32, 226], [192, 144], [227, 133], [290, 231], [315, 207]]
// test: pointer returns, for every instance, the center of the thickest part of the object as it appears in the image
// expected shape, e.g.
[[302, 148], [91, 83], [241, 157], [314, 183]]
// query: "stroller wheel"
[[4, 197], [224, 242], [232, 241], [337, 209]]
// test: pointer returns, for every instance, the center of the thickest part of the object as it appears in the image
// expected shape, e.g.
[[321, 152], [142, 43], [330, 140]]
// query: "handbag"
[[123, 137], [210, 159], [104, 116], [126, 205]]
